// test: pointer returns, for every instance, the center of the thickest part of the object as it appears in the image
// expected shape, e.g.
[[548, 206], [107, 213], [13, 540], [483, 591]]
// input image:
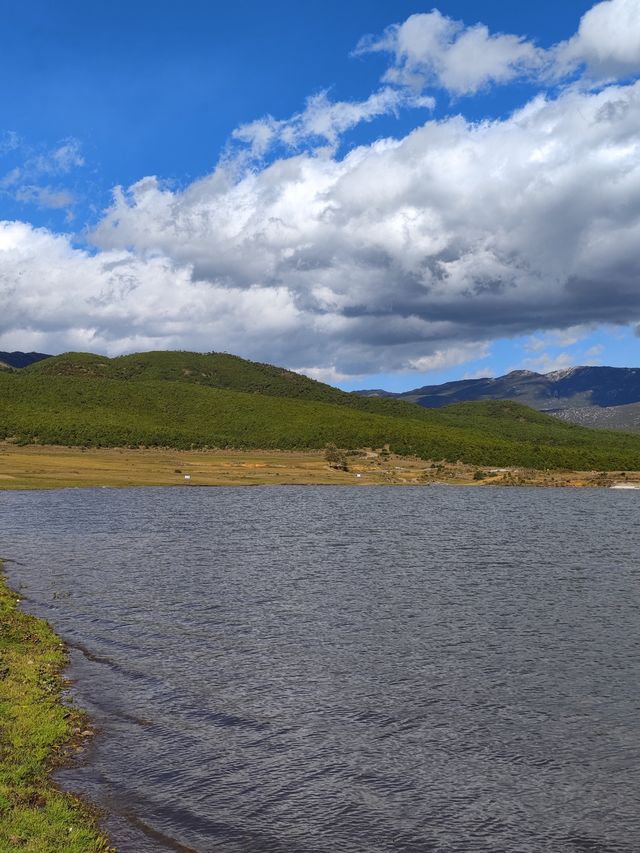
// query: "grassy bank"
[[38, 467], [36, 732]]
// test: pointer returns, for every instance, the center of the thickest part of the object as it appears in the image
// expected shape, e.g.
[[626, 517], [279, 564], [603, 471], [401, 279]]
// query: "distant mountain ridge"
[[20, 359], [579, 394]]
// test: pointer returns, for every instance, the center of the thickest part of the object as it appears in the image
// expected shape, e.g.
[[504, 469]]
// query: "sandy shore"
[[35, 467]]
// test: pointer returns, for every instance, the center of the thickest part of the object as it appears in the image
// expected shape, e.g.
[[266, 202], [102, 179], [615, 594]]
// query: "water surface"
[[340, 669]]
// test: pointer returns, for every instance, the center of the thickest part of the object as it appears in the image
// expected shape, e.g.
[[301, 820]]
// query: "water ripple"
[[299, 670]]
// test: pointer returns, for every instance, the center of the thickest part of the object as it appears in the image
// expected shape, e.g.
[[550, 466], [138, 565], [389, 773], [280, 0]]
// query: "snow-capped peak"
[[555, 375]]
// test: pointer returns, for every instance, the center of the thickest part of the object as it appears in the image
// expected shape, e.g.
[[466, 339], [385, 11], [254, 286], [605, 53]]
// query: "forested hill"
[[188, 400], [217, 370]]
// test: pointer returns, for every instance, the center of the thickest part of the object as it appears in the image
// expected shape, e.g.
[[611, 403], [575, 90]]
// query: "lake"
[[439, 669]]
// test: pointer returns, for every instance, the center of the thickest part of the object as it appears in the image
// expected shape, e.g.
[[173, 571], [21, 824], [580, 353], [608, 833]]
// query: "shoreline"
[[54, 467], [40, 734]]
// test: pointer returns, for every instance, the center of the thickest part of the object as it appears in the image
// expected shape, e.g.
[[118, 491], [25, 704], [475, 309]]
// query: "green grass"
[[172, 400], [34, 729]]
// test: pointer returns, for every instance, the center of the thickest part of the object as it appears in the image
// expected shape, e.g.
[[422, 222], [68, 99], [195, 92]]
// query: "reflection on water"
[[337, 669]]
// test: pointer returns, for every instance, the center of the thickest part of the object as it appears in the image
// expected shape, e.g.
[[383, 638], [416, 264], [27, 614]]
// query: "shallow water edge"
[[39, 733]]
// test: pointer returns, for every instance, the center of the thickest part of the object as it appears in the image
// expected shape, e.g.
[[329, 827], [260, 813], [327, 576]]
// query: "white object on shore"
[[625, 486], [187, 476]]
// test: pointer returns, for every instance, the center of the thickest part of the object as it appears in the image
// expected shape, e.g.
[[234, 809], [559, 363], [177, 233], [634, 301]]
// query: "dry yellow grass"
[[62, 467], [37, 467]]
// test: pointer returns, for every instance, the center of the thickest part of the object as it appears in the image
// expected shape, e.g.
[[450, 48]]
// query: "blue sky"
[[157, 88], [107, 95]]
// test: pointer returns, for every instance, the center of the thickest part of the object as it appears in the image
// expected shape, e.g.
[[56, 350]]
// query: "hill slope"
[[625, 418], [216, 370], [91, 401]]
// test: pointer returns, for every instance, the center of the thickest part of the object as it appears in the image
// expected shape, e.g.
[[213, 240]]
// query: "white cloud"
[[45, 196], [451, 357], [549, 363], [432, 49], [406, 253], [558, 338], [595, 351], [115, 302], [11, 178], [57, 161], [24, 182], [458, 232], [324, 121], [480, 373], [535, 344], [607, 41], [325, 374]]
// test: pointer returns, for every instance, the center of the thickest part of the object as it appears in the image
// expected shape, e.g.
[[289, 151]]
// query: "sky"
[[378, 194]]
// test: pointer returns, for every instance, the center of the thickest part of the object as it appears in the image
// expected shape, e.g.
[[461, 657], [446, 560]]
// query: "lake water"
[[326, 670]]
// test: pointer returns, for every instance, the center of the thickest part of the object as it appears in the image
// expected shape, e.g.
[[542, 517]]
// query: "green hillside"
[[217, 370], [158, 399]]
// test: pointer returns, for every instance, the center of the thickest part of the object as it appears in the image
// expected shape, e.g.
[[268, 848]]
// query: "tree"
[[336, 458]]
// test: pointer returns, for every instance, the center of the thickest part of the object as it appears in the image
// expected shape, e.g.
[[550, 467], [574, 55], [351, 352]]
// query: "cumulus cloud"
[[404, 254], [115, 301], [607, 41], [432, 49], [457, 232]]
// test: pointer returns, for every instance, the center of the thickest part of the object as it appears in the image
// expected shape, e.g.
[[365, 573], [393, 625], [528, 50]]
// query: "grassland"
[[36, 732], [33, 467]]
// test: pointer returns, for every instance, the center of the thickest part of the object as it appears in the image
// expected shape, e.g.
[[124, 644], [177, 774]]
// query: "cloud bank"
[[407, 253]]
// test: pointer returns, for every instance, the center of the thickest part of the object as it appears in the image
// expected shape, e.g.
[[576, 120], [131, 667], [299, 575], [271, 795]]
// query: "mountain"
[[20, 359], [581, 395], [188, 400]]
